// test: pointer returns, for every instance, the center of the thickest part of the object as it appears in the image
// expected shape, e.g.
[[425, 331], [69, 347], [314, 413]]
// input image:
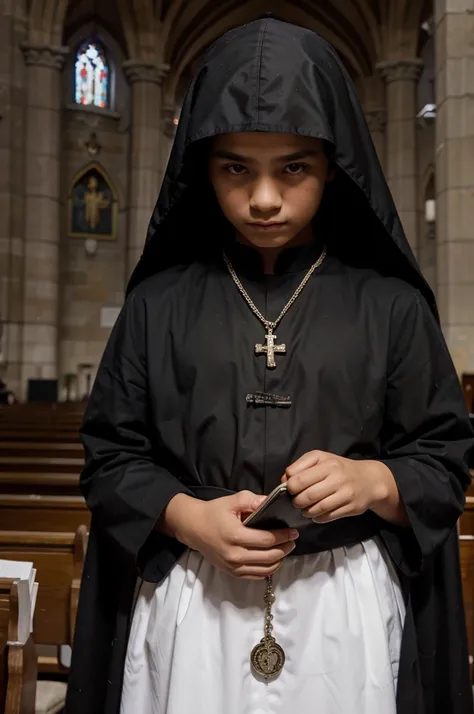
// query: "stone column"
[[13, 31], [145, 162], [376, 119], [371, 90], [42, 210], [455, 176], [401, 78]]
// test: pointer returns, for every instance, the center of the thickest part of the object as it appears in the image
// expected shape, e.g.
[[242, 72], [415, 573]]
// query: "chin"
[[268, 241]]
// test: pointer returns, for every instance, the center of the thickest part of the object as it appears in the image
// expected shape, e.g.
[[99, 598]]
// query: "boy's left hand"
[[327, 487]]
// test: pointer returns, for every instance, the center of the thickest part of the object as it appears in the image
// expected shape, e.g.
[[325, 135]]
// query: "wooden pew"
[[42, 449], [466, 548], [18, 663], [58, 415], [44, 456], [42, 459], [58, 559], [36, 434], [46, 484], [57, 514], [40, 464]]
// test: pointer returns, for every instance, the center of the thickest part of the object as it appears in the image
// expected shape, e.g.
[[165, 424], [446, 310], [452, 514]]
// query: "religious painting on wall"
[[92, 206]]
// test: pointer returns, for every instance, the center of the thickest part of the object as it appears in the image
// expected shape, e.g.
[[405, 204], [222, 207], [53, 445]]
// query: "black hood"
[[271, 76]]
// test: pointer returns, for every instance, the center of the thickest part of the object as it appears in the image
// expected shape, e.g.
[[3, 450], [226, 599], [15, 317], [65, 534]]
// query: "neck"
[[270, 255]]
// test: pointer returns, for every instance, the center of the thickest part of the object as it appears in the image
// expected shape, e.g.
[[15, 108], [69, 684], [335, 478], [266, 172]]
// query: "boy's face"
[[269, 186]]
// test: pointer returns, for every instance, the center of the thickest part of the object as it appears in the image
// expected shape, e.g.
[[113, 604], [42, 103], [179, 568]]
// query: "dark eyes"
[[236, 169], [294, 169]]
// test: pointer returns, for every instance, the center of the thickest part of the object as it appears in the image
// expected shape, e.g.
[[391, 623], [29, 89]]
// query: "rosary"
[[268, 658]]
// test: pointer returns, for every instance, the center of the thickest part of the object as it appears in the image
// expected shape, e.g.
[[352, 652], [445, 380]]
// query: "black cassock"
[[366, 369]]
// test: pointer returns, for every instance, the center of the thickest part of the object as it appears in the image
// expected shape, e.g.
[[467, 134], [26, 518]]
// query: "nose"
[[265, 197]]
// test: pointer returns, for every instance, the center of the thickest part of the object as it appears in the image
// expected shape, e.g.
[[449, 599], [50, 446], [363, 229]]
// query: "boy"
[[272, 341]]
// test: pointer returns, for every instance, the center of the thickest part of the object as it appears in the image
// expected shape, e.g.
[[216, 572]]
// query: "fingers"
[[257, 553], [241, 562], [245, 501], [339, 505], [258, 563], [263, 557], [314, 494], [336, 514], [256, 572], [304, 479], [254, 538], [307, 461]]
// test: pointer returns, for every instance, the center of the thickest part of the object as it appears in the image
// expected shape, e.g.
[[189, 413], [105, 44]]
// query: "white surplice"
[[338, 616]]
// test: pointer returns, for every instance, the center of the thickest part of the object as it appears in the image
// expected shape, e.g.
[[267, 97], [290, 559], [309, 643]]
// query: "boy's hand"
[[327, 487], [215, 529]]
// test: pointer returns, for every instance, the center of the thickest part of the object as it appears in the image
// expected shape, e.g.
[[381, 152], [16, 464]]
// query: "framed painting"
[[93, 206]]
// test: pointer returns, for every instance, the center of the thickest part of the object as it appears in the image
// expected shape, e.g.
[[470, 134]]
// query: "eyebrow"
[[297, 156]]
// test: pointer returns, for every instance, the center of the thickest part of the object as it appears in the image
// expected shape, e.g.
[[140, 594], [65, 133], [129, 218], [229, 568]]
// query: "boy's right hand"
[[215, 529]]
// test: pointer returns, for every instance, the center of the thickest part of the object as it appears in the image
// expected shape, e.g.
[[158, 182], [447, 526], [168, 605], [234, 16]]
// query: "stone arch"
[[46, 21], [400, 23]]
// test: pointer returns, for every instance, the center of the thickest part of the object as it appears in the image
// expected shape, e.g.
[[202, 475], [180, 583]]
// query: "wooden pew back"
[[58, 559], [36, 434], [57, 514], [40, 464], [58, 416], [466, 548], [46, 484], [41, 449], [18, 664]]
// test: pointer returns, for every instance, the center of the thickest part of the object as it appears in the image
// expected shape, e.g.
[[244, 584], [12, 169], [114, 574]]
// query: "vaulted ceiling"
[[177, 31], [103, 13]]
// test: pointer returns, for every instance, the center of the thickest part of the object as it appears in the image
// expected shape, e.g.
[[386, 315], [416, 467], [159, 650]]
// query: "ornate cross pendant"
[[270, 349]]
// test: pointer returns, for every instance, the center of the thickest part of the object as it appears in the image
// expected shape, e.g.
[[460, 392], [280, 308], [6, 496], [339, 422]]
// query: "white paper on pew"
[[65, 654], [25, 574]]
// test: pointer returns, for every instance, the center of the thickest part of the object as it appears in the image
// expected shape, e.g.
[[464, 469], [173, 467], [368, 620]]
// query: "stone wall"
[[13, 32], [455, 175], [90, 282]]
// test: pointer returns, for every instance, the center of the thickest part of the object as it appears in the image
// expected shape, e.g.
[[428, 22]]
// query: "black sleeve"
[[426, 436], [124, 487]]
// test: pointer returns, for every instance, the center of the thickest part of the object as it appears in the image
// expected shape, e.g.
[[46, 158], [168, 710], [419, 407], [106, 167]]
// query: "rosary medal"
[[267, 658]]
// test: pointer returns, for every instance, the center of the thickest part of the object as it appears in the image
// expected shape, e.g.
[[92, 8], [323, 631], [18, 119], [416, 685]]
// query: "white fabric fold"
[[338, 616]]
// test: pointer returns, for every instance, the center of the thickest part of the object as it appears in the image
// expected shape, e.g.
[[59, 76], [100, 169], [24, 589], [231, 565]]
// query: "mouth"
[[267, 227]]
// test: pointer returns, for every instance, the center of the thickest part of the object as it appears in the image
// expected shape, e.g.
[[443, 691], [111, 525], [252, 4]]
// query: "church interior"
[[90, 95]]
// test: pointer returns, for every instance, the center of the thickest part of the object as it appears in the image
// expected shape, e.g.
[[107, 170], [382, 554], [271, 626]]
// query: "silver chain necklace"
[[270, 349]]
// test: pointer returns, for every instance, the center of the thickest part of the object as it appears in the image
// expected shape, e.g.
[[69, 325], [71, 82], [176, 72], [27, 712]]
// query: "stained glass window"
[[92, 77]]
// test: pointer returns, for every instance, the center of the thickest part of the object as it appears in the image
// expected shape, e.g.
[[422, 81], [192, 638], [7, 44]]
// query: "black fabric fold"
[[125, 488]]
